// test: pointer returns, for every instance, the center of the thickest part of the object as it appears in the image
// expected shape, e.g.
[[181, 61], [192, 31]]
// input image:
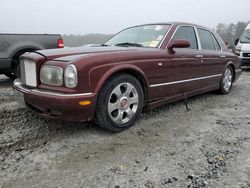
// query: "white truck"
[[243, 47]]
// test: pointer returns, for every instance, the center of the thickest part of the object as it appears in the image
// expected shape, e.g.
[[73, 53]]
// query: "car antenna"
[[186, 101]]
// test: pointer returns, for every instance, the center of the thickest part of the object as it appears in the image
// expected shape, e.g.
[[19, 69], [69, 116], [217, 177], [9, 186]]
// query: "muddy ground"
[[208, 146]]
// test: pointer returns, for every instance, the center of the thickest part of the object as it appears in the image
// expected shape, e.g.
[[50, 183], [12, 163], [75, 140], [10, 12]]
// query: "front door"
[[183, 68]]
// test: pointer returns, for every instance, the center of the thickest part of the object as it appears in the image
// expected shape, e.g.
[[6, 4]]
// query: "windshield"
[[140, 36], [245, 37]]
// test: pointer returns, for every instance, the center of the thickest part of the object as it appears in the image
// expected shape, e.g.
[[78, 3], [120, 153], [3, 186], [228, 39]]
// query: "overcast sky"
[[110, 16]]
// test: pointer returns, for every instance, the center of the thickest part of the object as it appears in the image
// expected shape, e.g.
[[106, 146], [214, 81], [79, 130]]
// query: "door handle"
[[223, 56], [199, 56], [160, 64]]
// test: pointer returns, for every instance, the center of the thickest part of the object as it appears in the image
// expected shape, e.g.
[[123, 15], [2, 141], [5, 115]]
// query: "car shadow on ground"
[[38, 131], [245, 69], [74, 127], [54, 127]]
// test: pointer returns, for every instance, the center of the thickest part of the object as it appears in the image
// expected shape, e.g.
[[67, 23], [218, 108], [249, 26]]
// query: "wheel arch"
[[230, 64], [22, 50], [126, 69], [18, 52]]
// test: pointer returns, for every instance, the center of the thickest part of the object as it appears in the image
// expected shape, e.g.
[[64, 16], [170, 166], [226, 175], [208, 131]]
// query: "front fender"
[[100, 74]]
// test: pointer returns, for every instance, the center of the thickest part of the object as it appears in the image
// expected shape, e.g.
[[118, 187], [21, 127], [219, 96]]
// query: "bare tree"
[[229, 33]]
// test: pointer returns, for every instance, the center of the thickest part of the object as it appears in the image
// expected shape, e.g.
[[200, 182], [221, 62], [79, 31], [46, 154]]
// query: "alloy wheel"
[[123, 103], [227, 79]]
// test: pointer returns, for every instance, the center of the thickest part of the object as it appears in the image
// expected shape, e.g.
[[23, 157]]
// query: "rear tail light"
[[60, 43]]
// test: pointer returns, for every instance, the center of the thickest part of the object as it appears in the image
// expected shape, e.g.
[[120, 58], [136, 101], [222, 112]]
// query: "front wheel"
[[119, 103], [227, 81]]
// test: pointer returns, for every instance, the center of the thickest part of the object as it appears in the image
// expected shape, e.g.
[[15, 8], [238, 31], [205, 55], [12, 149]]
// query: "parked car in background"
[[141, 67], [12, 46], [91, 45], [243, 47]]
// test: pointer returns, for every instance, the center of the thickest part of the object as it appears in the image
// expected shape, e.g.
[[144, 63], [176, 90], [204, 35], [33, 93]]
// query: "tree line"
[[230, 32], [80, 40]]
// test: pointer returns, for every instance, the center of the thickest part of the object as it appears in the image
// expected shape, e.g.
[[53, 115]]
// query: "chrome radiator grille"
[[28, 72]]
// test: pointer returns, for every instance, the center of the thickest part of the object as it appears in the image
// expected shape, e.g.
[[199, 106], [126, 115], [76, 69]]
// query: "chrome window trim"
[[216, 41], [162, 41], [187, 80], [184, 25], [60, 68], [213, 37], [198, 38]]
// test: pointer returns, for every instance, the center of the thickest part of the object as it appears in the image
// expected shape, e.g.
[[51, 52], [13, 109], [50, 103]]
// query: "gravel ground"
[[208, 146]]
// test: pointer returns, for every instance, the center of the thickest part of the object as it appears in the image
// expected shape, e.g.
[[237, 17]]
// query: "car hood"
[[243, 47], [69, 54]]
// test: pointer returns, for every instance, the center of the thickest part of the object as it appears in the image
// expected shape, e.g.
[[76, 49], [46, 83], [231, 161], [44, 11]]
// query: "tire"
[[16, 70], [226, 82], [16, 67], [10, 75], [119, 103]]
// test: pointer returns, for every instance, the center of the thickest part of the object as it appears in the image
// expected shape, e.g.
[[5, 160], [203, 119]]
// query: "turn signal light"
[[84, 103]]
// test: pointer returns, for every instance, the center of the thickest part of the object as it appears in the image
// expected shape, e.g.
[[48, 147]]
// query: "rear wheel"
[[227, 81], [16, 70], [119, 103], [10, 75], [15, 66]]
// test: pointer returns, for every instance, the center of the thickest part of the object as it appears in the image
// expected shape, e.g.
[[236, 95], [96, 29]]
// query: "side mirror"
[[236, 42], [178, 44]]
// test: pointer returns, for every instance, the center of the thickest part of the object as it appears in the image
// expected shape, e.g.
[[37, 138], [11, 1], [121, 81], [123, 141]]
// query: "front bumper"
[[62, 106], [245, 61]]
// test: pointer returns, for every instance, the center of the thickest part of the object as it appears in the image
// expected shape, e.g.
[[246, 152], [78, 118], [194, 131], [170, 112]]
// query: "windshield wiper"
[[104, 45], [129, 44]]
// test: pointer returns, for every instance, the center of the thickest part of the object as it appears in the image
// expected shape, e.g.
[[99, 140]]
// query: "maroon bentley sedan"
[[141, 67]]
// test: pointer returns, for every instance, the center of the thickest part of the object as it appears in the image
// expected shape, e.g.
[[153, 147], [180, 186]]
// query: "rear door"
[[183, 69], [212, 57]]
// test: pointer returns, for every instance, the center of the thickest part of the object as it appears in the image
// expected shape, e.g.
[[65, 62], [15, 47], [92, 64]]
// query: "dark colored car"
[[12, 46], [141, 67]]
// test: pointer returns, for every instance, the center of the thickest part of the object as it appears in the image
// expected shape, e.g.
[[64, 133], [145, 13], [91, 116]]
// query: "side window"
[[216, 43], [187, 33], [207, 41]]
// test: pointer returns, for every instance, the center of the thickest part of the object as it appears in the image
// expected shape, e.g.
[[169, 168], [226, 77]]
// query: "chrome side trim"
[[59, 94], [18, 85], [183, 81]]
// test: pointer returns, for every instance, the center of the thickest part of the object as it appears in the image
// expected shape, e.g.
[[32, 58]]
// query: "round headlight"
[[70, 76]]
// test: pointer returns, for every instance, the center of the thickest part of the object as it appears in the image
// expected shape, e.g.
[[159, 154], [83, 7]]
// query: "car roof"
[[175, 24]]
